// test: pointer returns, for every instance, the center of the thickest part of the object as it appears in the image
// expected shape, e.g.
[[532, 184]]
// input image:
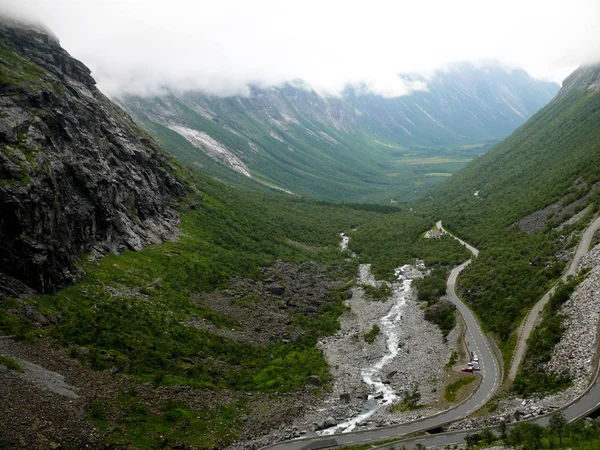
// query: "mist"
[[223, 47]]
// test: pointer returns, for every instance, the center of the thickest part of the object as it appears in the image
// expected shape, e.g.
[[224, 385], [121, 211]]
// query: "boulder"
[[275, 289], [328, 423], [315, 380]]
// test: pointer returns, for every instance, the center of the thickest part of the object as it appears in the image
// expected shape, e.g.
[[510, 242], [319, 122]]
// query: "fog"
[[223, 47]]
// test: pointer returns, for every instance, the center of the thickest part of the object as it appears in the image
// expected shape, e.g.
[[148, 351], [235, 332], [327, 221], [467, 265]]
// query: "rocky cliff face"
[[583, 79], [76, 175]]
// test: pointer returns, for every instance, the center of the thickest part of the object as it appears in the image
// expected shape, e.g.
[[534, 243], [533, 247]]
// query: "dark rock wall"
[[76, 175]]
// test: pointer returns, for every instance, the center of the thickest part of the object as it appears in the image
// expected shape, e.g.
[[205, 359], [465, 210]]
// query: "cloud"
[[224, 46]]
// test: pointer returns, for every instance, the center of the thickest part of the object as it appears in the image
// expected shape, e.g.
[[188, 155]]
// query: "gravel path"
[[36, 374]]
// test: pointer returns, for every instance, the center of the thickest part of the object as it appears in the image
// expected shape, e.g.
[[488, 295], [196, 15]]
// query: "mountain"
[[524, 204], [353, 147], [107, 341], [76, 174], [208, 338], [553, 154]]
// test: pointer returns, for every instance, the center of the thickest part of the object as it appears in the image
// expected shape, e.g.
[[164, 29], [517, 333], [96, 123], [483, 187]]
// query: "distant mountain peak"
[[584, 78]]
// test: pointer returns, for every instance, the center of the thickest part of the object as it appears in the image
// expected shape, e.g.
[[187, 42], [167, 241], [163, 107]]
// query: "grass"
[[126, 419], [372, 335], [10, 364], [453, 359], [381, 292], [451, 391]]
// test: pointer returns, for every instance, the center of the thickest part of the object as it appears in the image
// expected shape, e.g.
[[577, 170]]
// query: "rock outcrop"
[[76, 174]]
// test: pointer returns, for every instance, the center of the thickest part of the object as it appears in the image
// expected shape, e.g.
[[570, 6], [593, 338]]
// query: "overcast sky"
[[222, 46]]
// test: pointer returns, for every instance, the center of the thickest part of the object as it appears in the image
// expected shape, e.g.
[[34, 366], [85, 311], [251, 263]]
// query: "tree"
[[487, 437], [412, 399], [557, 424], [472, 440], [502, 428], [529, 434]]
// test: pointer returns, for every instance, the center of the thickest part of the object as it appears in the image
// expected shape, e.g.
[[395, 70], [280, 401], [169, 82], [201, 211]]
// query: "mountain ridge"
[[354, 147]]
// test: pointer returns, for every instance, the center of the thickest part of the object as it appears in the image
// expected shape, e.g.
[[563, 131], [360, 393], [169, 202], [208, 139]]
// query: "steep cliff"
[[76, 174]]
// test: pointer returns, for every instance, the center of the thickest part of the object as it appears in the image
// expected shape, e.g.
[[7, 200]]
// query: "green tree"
[[472, 440], [527, 434], [557, 424], [487, 436], [502, 428]]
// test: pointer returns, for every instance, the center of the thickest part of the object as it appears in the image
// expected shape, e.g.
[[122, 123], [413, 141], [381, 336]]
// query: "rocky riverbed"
[[407, 354], [575, 353]]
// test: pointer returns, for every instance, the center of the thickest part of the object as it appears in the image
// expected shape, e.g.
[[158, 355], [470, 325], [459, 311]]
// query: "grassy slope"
[[554, 155], [231, 233]]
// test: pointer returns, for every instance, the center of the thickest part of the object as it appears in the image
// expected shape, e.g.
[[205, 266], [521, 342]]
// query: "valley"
[[355, 146], [294, 270]]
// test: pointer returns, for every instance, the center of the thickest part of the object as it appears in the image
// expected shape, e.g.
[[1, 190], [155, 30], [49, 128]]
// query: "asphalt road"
[[490, 373], [586, 404], [581, 407], [532, 317]]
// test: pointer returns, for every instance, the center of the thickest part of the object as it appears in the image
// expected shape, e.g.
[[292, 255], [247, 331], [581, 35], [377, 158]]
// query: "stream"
[[384, 394]]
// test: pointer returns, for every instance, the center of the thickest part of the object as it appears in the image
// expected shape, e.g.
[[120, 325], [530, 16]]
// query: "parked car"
[[467, 369]]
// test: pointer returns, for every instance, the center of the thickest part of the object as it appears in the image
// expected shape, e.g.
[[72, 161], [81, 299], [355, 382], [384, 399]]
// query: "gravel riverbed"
[[409, 353]]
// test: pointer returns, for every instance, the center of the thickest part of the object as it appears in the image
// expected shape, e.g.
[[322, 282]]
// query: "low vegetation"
[[410, 401], [451, 391], [381, 292], [533, 378], [10, 363], [558, 435], [372, 335], [453, 359]]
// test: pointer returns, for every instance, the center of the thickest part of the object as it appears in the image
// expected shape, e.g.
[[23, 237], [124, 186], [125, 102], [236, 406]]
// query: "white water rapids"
[[345, 241], [389, 325]]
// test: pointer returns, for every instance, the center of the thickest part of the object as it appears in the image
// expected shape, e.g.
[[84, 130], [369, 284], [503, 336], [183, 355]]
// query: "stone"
[[345, 397], [83, 177], [328, 423], [315, 380], [275, 289]]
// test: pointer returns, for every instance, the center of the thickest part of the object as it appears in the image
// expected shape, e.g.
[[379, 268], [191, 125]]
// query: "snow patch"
[[276, 137], [213, 148]]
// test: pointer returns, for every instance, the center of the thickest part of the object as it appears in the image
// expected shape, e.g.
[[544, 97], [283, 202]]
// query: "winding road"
[[532, 317], [588, 402], [490, 373]]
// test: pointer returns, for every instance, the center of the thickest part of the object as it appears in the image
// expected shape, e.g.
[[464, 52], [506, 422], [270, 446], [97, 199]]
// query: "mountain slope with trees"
[[357, 146], [514, 203]]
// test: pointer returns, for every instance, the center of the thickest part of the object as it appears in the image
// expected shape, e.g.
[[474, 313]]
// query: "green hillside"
[[358, 146], [188, 312], [497, 202]]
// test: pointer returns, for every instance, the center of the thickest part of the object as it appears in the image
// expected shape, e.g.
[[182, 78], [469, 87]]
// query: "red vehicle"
[[467, 369]]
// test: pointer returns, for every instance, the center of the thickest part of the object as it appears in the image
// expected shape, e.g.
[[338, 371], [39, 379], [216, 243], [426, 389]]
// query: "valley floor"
[[408, 354]]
